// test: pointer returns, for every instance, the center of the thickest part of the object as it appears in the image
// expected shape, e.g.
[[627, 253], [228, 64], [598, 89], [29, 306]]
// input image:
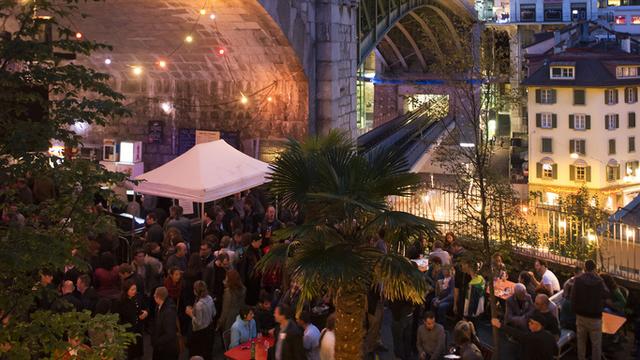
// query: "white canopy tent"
[[207, 172]]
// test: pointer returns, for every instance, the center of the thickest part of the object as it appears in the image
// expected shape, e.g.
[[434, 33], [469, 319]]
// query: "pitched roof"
[[591, 70]]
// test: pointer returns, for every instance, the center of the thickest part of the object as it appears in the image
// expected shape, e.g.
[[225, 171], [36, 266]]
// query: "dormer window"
[[627, 71], [563, 72]]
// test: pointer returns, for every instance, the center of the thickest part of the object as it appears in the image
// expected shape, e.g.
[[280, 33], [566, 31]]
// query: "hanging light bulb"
[[221, 51], [78, 35], [269, 99], [212, 16], [166, 107], [107, 61], [244, 100], [203, 11], [162, 64], [189, 39], [137, 70]]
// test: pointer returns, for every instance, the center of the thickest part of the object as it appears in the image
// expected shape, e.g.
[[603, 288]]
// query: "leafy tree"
[[485, 200], [343, 196], [42, 94]]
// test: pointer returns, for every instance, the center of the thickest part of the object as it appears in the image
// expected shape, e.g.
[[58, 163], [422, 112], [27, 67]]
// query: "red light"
[[221, 51]]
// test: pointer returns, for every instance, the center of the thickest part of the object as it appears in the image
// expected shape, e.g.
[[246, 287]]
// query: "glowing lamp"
[[244, 100], [212, 16], [162, 64], [203, 11], [107, 61], [220, 51], [189, 39], [137, 70], [269, 99], [78, 35], [130, 151], [166, 107]]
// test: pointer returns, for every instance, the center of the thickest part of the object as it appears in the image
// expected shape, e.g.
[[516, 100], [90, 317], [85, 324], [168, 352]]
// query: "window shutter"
[[588, 173], [572, 172], [606, 122], [635, 94], [554, 121], [632, 119], [553, 96], [578, 97], [538, 120], [618, 172], [615, 96], [584, 147], [554, 169], [572, 146], [538, 96], [539, 170], [587, 122], [617, 121], [571, 117], [606, 97]]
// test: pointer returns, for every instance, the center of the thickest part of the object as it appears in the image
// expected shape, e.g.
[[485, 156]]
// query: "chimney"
[[625, 45]]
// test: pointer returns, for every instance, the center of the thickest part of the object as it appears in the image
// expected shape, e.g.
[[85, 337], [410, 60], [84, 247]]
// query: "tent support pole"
[[201, 222]]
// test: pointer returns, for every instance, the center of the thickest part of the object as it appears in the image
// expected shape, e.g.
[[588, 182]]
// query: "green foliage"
[[34, 75], [343, 196]]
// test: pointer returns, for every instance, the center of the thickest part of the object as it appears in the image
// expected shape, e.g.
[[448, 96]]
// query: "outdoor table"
[[423, 264], [611, 323], [243, 351], [503, 289]]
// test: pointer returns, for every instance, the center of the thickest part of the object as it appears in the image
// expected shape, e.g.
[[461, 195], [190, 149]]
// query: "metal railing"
[[560, 238]]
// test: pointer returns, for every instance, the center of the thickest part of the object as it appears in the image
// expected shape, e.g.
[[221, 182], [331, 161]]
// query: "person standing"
[[88, 295], [164, 338], [132, 312], [201, 314], [289, 344], [328, 339], [179, 258], [587, 299], [178, 221], [154, 230], [250, 278], [310, 337], [232, 300], [269, 225], [431, 338]]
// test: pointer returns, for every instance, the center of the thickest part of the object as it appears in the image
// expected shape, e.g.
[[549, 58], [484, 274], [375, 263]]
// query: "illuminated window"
[[581, 173], [547, 171], [627, 71], [635, 19], [563, 72], [620, 19]]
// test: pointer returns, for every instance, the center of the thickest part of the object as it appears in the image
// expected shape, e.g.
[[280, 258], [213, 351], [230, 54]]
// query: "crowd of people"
[[191, 285]]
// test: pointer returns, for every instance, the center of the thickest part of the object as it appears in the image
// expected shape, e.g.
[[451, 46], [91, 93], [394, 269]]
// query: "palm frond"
[[276, 258], [403, 224], [400, 279]]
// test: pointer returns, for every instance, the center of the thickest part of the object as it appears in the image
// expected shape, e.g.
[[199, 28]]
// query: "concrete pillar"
[[516, 55], [336, 65]]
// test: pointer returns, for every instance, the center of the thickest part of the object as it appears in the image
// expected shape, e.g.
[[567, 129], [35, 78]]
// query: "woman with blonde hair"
[[201, 314], [172, 237]]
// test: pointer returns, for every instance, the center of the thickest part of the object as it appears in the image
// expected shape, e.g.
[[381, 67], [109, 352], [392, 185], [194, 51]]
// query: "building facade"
[[582, 109]]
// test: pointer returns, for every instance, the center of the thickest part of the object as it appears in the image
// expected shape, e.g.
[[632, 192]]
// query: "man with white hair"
[[519, 308]]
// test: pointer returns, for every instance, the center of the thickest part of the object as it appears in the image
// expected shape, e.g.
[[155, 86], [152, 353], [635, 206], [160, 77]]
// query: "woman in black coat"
[[132, 312]]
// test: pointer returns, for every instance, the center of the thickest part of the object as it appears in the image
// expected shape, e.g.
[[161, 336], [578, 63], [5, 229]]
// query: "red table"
[[503, 289], [243, 351]]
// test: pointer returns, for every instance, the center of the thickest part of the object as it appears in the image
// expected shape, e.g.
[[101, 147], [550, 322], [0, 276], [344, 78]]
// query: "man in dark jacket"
[[164, 338], [519, 308], [289, 344], [154, 230], [246, 269], [537, 343], [88, 295], [587, 299]]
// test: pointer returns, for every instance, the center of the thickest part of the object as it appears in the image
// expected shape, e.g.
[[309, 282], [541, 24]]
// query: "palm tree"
[[343, 196]]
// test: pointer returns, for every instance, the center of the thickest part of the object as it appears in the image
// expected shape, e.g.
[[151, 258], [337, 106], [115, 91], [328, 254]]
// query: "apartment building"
[[582, 118]]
